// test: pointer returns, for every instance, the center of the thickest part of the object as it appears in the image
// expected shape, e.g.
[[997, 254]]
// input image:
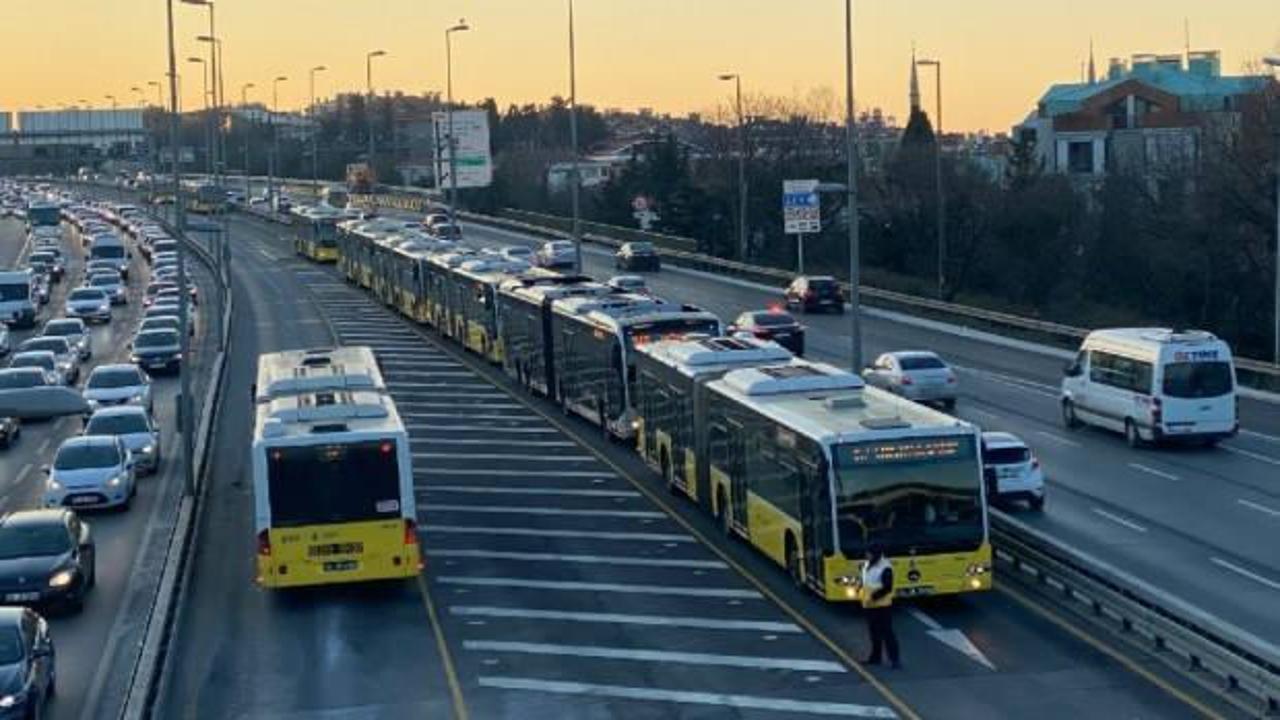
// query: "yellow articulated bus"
[[811, 466], [524, 313], [315, 233], [476, 292], [332, 472]]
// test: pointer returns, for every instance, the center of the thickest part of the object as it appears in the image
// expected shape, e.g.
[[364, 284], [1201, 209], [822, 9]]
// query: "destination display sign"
[[909, 450]]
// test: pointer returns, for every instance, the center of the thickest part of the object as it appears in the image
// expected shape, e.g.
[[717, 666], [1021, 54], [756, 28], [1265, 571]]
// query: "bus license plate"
[[340, 566], [351, 548], [915, 591]]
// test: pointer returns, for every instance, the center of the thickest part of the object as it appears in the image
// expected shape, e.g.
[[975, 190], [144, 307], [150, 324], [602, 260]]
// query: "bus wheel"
[[793, 561]]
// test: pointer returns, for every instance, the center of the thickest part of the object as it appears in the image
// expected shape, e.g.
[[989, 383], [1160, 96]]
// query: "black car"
[[638, 257], [775, 325], [9, 431], [27, 668], [810, 293], [46, 559], [158, 350]]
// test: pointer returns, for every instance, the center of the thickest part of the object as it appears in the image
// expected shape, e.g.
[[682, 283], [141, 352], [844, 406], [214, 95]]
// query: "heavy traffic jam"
[[76, 273]]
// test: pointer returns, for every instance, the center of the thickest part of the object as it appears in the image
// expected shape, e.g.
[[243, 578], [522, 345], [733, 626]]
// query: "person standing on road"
[[877, 603]]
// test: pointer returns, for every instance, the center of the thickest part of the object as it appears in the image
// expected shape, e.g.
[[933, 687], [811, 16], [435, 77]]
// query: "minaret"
[[915, 82], [1093, 73]]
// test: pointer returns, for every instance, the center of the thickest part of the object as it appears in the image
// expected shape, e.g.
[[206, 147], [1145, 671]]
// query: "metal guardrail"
[[1231, 663]]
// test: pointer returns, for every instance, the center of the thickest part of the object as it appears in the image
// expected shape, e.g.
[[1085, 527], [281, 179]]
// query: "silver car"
[[557, 253], [89, 304], [45, 360], [110, 283], [90, 471], [118, 384], [74, 330], [133, 425], [916, 375], [66, 354]]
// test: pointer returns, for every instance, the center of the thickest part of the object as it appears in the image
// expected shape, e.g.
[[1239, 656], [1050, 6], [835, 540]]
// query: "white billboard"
[[474, 162]]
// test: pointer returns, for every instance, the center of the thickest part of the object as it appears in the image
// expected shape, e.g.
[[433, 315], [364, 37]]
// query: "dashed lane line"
[[1119, 520], [544, 511], [507, 584], [1154, 472], [548, 533], [1227, 565], [754, 662], [578, 559], [671, 621], [1260, 508]]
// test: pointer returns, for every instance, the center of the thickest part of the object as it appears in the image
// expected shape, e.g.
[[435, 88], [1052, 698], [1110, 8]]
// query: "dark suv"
[[811, 293], [638, 257], [27, 674]]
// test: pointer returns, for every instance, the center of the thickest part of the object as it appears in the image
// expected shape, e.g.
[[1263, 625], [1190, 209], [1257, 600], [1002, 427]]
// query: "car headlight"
[[148, 449], [8, 701], [54, 485], [114, 481], [61, 579]]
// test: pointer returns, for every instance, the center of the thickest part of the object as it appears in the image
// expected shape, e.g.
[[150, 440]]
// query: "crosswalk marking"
[[594, 587], [659, 656]]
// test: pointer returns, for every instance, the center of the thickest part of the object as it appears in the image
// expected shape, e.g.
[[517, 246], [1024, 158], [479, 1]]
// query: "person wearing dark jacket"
[[877, 603]]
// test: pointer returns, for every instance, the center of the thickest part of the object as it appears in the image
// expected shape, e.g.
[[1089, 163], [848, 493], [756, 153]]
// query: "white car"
[[74, 330], [133, 425], [518, 253], [43, 359], [557, 253], [89, 304], [95, 267], [1011, 470], [916, 375], [66, 354], [5, 343], [118, 384], [629, 284], [109, 283], [90, 471]]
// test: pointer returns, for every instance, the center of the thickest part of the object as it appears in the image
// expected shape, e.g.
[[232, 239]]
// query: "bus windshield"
[[675, 329], [1197, 379], [909, 495], [329, 484]]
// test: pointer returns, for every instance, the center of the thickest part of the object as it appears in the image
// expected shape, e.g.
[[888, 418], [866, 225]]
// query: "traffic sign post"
[[801, 213]]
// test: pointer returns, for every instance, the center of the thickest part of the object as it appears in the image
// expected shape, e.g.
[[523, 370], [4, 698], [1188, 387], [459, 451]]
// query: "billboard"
[[474, 162]]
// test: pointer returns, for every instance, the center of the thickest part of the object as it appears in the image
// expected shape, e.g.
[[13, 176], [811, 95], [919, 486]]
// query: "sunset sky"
[[998, 55]]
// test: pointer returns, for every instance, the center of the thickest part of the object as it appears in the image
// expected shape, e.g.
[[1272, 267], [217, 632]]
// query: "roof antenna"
[[1093, 73], [1186, 37]]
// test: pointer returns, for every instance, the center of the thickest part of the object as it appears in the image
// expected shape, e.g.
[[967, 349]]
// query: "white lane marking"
[[982, 413], [580, 559], [1119, 520], [1250, 454], [602, 474], [505, 443], [22, 474], [649, 694], [522, 419], [1245, 573], [621, 619], [923, 618], [1152, 471], [425, 427], [1011, 381], [1260, 508], [502, 456], [566, 586], [540, 532], [1261, 436], [1054, 437], [435, 394], [508, 490], [44, 446], [952, 638], [542, 511], [468, 407], [658, 656]]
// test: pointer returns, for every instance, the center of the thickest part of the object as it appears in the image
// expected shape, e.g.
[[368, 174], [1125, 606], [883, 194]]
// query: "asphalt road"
[[561, 581], [95, 648], [1198, 522]]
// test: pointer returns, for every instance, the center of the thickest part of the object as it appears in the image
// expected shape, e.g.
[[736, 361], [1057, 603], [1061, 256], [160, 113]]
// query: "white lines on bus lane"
[[575, 559], [545, 533], [1227, 565], [738, 702], [488, 429], [1260, 508], [1119, 520], [1056, 438], [506, 443], [667, 621], [522, 457], [1154, 472], [508, 490], [473, 417], [595, 475], [1250, 454], [507, 584], [544, 511], [658, 656]]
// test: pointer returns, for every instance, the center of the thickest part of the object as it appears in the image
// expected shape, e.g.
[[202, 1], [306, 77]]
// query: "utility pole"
[[315, 164], [184, 395], [576, 175], [453, 143], [937, 179], [368, 111], [275, 140], [742, 166], [851, 154], [244, 109]]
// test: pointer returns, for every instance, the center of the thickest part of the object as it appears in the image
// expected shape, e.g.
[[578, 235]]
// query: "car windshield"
[[101, 280], [641, 247], [159, 338], [773, 319], [107, 251], [118, 424], [55, 345], [920, 362], [32, 540], [83, 457], [1005, 455], [12, 380], [821, 284], [107, 379], [11, 648], [62, 329], [41, 361], [163, 322], [83, 294], [1197, 379], [909, 495]]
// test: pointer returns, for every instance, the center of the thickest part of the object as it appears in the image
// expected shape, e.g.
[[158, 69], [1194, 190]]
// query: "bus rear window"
[[322, 484], [1197, 379]]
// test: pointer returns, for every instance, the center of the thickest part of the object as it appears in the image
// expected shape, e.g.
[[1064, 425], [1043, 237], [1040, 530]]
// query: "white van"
[[17, 307], [110, 247], [1153, 384]]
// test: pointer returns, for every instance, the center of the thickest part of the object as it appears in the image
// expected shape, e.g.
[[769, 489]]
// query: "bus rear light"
[[410, 532], [1157, 411], [264, 544]]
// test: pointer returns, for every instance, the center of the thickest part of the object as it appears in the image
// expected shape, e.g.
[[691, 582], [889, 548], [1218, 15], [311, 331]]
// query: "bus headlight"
[[848, 580], [976, 569]]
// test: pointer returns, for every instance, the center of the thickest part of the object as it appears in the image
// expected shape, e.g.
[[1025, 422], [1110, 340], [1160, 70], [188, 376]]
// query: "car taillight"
[[1157, 411], [761, 333], [410, 532], [264, 544], [1035, 463], [808, 294], [951, 379], [906, 380]]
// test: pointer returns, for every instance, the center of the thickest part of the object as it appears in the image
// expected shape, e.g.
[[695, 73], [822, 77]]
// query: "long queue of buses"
[[798, 458]]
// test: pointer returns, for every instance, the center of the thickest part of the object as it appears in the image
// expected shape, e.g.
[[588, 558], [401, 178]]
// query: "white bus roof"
[[335, 416], [708, 355], [297, 372], [830, 405], [622, 309]]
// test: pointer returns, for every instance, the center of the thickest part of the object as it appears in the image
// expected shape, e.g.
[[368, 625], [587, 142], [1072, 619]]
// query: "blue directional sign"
[[801, 208]]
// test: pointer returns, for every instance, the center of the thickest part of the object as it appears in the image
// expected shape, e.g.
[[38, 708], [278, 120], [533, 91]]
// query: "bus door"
[[815, 515], [737, 472]]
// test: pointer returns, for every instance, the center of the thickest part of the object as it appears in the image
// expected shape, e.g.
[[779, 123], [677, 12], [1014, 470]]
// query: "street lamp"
[[215, 53], [576, 176], [215, 82], [937, 180], [851, 186], [244, 108], [453, 144], [742, 165], [315, 182], [368, 111], [1274, 63], [275, 138], [208, 130]]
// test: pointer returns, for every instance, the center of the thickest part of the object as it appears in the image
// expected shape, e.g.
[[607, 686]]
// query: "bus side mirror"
[[1072, 369]]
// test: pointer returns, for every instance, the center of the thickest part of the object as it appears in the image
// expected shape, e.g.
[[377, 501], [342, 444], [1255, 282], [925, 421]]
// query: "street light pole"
[[215, 52], [1274, 63], [368, 110], [315, 175], [216, 134], [937, 173], [244, 109], [453, 143], [742, 165], [208, 129], [275, 139], [576, 175], [184, 395], [851, 184]]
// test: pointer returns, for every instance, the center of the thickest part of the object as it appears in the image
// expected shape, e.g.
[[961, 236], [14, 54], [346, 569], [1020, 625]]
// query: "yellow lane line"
[[450, 674]]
